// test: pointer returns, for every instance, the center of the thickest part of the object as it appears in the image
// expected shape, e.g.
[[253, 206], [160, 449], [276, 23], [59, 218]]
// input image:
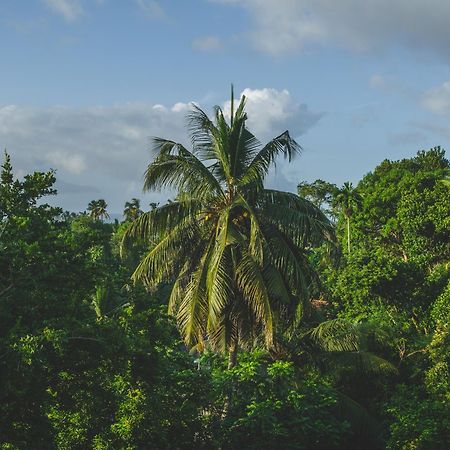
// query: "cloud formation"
[[103, 151], [437, 99], [70, 10], [271, 112], [72, 163], [282, 26], [103, 147]]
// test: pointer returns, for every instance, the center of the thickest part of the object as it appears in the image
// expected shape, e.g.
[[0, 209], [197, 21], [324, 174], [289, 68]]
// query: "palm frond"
[[155, 223], [335, 335], [179, 287], [165, 259], [259, 248], [277, 287], [250, 281], [298, 218], [220, 284], [266, 157], [192, 312], [208, 140], [290, 261], [177, 168], [243, 145], [256, 238]]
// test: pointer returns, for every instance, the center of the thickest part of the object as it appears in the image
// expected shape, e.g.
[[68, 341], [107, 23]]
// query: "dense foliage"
[[89, 359], [396, 284]]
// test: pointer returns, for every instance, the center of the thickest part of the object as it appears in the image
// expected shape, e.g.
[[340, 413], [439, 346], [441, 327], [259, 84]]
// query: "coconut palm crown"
[[235, 251], [132, 209], [97, 209], [348, 200]]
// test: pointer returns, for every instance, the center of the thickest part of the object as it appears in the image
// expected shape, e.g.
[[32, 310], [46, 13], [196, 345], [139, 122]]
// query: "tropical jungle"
[[233, 315]]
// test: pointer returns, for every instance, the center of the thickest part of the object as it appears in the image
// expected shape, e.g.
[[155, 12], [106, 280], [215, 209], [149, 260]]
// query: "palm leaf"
[[155, 223], [165, 259], [193, 309], [336, 335], [219, 279], [251, 283], [176, 167], [266, 157]]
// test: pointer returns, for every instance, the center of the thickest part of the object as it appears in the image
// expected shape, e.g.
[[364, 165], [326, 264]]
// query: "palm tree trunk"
[[232, 355], [348, 234]]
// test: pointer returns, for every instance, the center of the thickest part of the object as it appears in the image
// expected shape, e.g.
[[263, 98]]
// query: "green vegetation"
[[318, 321]]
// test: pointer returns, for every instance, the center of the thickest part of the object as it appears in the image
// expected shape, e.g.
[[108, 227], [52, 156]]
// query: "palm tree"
[[132, 210], [333, 345], [97, 209], [237, 252], [347, 200]]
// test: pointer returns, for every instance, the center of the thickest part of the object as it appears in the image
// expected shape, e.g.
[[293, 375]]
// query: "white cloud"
[[102, 152], [181, 107], [104, 148], [282, 26], [437, 99], [270, 112], [73, 163], [70, 10], [206, 43], [151, 9]]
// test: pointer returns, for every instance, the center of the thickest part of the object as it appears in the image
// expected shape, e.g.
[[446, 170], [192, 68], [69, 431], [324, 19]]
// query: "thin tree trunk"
[[232, 360], [348, 234]]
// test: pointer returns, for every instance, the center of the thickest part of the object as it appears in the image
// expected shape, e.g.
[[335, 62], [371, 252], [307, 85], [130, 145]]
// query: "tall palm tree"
[[97, 209], [236, 252], [132, 210], [347, 200]]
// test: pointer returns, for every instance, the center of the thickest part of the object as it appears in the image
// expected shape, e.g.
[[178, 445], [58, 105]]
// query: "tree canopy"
[[336, 349]]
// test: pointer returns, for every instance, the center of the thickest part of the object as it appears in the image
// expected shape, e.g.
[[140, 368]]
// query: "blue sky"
[[84, 84]]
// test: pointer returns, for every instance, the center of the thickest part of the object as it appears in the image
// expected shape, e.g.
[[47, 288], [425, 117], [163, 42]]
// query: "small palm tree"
[[97, 209], [132, 210], [236, 252], [347, 200]]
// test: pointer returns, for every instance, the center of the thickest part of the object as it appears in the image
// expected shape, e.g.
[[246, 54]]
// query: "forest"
[[234, 315]]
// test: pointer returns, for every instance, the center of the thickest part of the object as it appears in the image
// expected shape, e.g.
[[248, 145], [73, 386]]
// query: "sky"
[[86, 84]]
